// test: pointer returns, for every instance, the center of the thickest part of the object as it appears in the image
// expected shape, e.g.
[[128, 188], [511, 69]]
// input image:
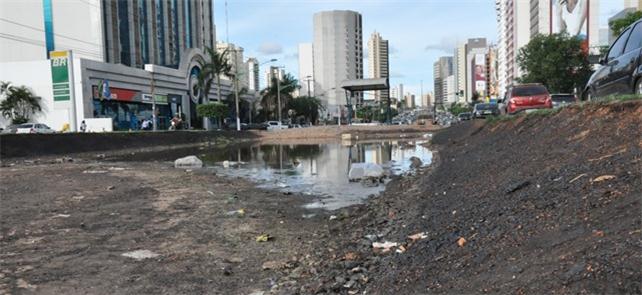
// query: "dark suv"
[[621, 69]]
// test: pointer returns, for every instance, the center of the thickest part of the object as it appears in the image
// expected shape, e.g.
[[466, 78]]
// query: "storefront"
[[128, 108]]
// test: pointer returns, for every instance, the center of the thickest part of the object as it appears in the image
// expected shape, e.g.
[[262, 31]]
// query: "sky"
[[419, 31]]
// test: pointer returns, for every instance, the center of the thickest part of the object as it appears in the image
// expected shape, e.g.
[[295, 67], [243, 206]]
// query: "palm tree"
[[269, 95], [19, 103], [217, 65]]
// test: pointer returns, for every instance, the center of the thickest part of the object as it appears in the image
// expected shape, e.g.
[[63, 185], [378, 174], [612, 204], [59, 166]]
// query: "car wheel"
[[638, 87], [589, 95]]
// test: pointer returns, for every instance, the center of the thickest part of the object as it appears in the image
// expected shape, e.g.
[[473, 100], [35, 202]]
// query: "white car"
[[275, 125], [33, 128]]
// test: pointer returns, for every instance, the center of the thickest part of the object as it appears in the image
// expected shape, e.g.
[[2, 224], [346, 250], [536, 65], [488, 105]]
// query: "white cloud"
[[447, 44], [270, 48]]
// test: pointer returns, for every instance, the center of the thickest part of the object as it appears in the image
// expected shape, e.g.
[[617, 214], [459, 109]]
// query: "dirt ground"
[[536, 205]]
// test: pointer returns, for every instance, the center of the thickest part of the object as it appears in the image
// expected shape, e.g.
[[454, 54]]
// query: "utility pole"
[[154, 125], [236, 89], [278, 98]]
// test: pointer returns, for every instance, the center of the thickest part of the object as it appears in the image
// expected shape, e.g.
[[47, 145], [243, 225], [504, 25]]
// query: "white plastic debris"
[[140, 254], [360, 171], [188, 162]]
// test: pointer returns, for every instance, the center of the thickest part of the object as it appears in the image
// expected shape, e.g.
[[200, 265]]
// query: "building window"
[[144, 45], [160, 32], [174, 13], [188, 23], [123, 26]]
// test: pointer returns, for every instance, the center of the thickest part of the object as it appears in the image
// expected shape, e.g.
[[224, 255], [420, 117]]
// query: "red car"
[[526, 97]]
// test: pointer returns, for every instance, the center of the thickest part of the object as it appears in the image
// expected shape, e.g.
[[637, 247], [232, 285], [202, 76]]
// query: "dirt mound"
[[537, 205]]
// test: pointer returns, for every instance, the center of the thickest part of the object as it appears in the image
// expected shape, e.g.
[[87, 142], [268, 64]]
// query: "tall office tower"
[[540, 12], [459, 71], [235, 58], [133, 33], [473, 46], [273, 73], [378, 64], [306, 69], [516, 32], [253, 74], [338, 56], [442, 69]]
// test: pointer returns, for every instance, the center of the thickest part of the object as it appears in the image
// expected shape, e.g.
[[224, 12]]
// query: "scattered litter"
[[308, 216], [263, 238], [385, 246], [415, 162], [461, 242], [365, 170], [598, 233], [350, 256], [577, 177], [603, 178], [210, 192], [517, 186], [273, 265], [22, 284], [94, 171], [61, 216], [401, 249], [427, 135], [111, 188], [188, 162], [116, 168], [239, 213], [418, 236], [226, 164], [78, 198], [333, 217], [140, 254]]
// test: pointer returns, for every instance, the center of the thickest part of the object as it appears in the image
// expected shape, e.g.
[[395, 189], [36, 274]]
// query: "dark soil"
[[529, 200], [545, 204]]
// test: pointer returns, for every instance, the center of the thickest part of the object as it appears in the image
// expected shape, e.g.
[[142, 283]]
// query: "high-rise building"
[[378, 63], [338, 56], [449, 90], [442, 68], [459, 69], [409, 100], [252, 65], [515, 16], [306, 68], [133, 33], [473, 46], [637, 4], [540, 17], [519, 21], [492, 86], [426, 100], [273, 73], [235, 58]]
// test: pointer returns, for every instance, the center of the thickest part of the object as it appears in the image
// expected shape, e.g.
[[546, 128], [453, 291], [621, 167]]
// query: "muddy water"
[[318, 170]]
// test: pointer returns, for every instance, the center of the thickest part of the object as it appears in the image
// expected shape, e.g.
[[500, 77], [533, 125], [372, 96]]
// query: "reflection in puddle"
[[320, 170]]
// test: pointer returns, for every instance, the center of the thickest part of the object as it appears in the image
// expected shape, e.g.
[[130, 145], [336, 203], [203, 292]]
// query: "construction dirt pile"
[[542, 204]]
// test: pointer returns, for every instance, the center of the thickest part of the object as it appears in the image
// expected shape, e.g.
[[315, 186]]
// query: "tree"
[[557, 61], [217, 65], [212, 110], [307, 107], [618, 25], [19, 103], [269, 95], [458, 108]]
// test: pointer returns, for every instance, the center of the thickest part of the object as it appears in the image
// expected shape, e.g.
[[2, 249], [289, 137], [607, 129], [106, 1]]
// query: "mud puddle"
[[318, 170]]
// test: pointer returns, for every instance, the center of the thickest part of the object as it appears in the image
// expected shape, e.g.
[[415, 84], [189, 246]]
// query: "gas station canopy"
[[365, 84]]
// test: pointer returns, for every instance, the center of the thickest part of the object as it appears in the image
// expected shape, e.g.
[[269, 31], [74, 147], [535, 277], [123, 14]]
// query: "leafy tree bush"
[[19, 103], [618, 25], [557, 61], [459, 108], [306, 107], [212, 110]]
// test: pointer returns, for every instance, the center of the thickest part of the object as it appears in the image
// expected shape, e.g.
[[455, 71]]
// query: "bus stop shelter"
[[360, 85]]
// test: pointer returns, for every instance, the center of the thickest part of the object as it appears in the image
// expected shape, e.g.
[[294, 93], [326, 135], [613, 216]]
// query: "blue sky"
[[419, 31]]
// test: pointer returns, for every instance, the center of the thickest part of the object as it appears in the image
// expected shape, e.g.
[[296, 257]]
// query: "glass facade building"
[[139, 32]]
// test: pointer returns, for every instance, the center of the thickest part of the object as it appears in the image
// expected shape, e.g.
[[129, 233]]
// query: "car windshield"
[[25, 126], [529, 90], [485, 106], [563, 98]]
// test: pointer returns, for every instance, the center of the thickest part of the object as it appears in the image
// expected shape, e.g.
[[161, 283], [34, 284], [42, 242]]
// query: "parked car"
[[465, 116], [481, 110], [33, 128], [275, 125], [257, 126], [621, 69], [10, 129], [560, 100], [526, 97]]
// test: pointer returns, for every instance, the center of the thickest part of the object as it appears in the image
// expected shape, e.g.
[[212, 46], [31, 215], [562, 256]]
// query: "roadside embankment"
[[37, 145], [538, 204]]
